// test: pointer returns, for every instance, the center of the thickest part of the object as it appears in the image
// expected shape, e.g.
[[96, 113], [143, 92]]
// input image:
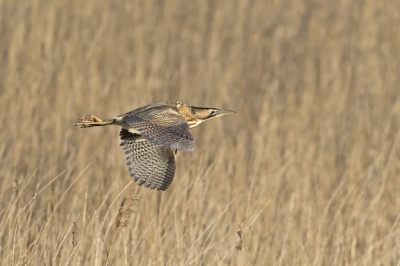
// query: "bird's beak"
[[218, 113]]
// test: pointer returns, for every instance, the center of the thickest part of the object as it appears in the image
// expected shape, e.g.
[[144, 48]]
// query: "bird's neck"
[[194, 123]]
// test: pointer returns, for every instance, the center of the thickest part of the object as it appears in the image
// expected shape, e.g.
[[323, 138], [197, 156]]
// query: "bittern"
[[152, 135]]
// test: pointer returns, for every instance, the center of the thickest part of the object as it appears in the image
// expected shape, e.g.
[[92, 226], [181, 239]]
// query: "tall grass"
[[306, 172]]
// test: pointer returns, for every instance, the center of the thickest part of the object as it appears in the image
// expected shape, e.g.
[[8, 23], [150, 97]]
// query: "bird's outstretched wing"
[[164, 126], [153, 166]]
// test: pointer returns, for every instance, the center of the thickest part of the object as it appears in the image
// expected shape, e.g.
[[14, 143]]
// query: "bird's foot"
[[88, 121]]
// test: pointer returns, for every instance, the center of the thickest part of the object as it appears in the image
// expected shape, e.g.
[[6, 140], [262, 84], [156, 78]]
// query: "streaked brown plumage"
[[152, 135]]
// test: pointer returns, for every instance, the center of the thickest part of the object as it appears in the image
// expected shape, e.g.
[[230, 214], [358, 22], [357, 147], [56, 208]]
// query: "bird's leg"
[[92, 121]]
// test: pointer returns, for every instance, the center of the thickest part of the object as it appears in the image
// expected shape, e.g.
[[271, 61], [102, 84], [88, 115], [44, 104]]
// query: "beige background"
[[308, 167]]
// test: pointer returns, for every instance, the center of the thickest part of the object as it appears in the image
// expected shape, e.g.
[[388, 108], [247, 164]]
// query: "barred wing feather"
[[153, 166]]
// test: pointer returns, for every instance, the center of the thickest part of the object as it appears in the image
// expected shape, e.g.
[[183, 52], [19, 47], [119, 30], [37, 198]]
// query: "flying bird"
[[152, 135]]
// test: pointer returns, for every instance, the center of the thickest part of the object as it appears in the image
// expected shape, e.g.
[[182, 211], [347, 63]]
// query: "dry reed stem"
[[109, 207], [1, 201], [63, 240], [242, 238], [75, 235], [126, 209], [91, 223], [211, 225], [1, 192], [27, 224], [85, 233], [102, 238], [141, 238], [34, 244]]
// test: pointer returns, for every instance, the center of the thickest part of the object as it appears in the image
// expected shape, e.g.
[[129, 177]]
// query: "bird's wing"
[[154, 166], [164, 126]]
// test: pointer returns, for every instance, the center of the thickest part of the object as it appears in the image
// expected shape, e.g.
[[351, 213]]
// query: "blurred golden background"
[[307, 170]]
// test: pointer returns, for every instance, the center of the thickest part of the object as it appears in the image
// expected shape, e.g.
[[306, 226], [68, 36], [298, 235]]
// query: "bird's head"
[[196, 115]]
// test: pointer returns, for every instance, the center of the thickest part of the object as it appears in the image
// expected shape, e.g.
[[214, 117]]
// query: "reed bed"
[[306, 172]]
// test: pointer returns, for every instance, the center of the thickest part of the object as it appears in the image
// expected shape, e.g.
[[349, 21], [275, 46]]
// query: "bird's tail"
[[92, 121]]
